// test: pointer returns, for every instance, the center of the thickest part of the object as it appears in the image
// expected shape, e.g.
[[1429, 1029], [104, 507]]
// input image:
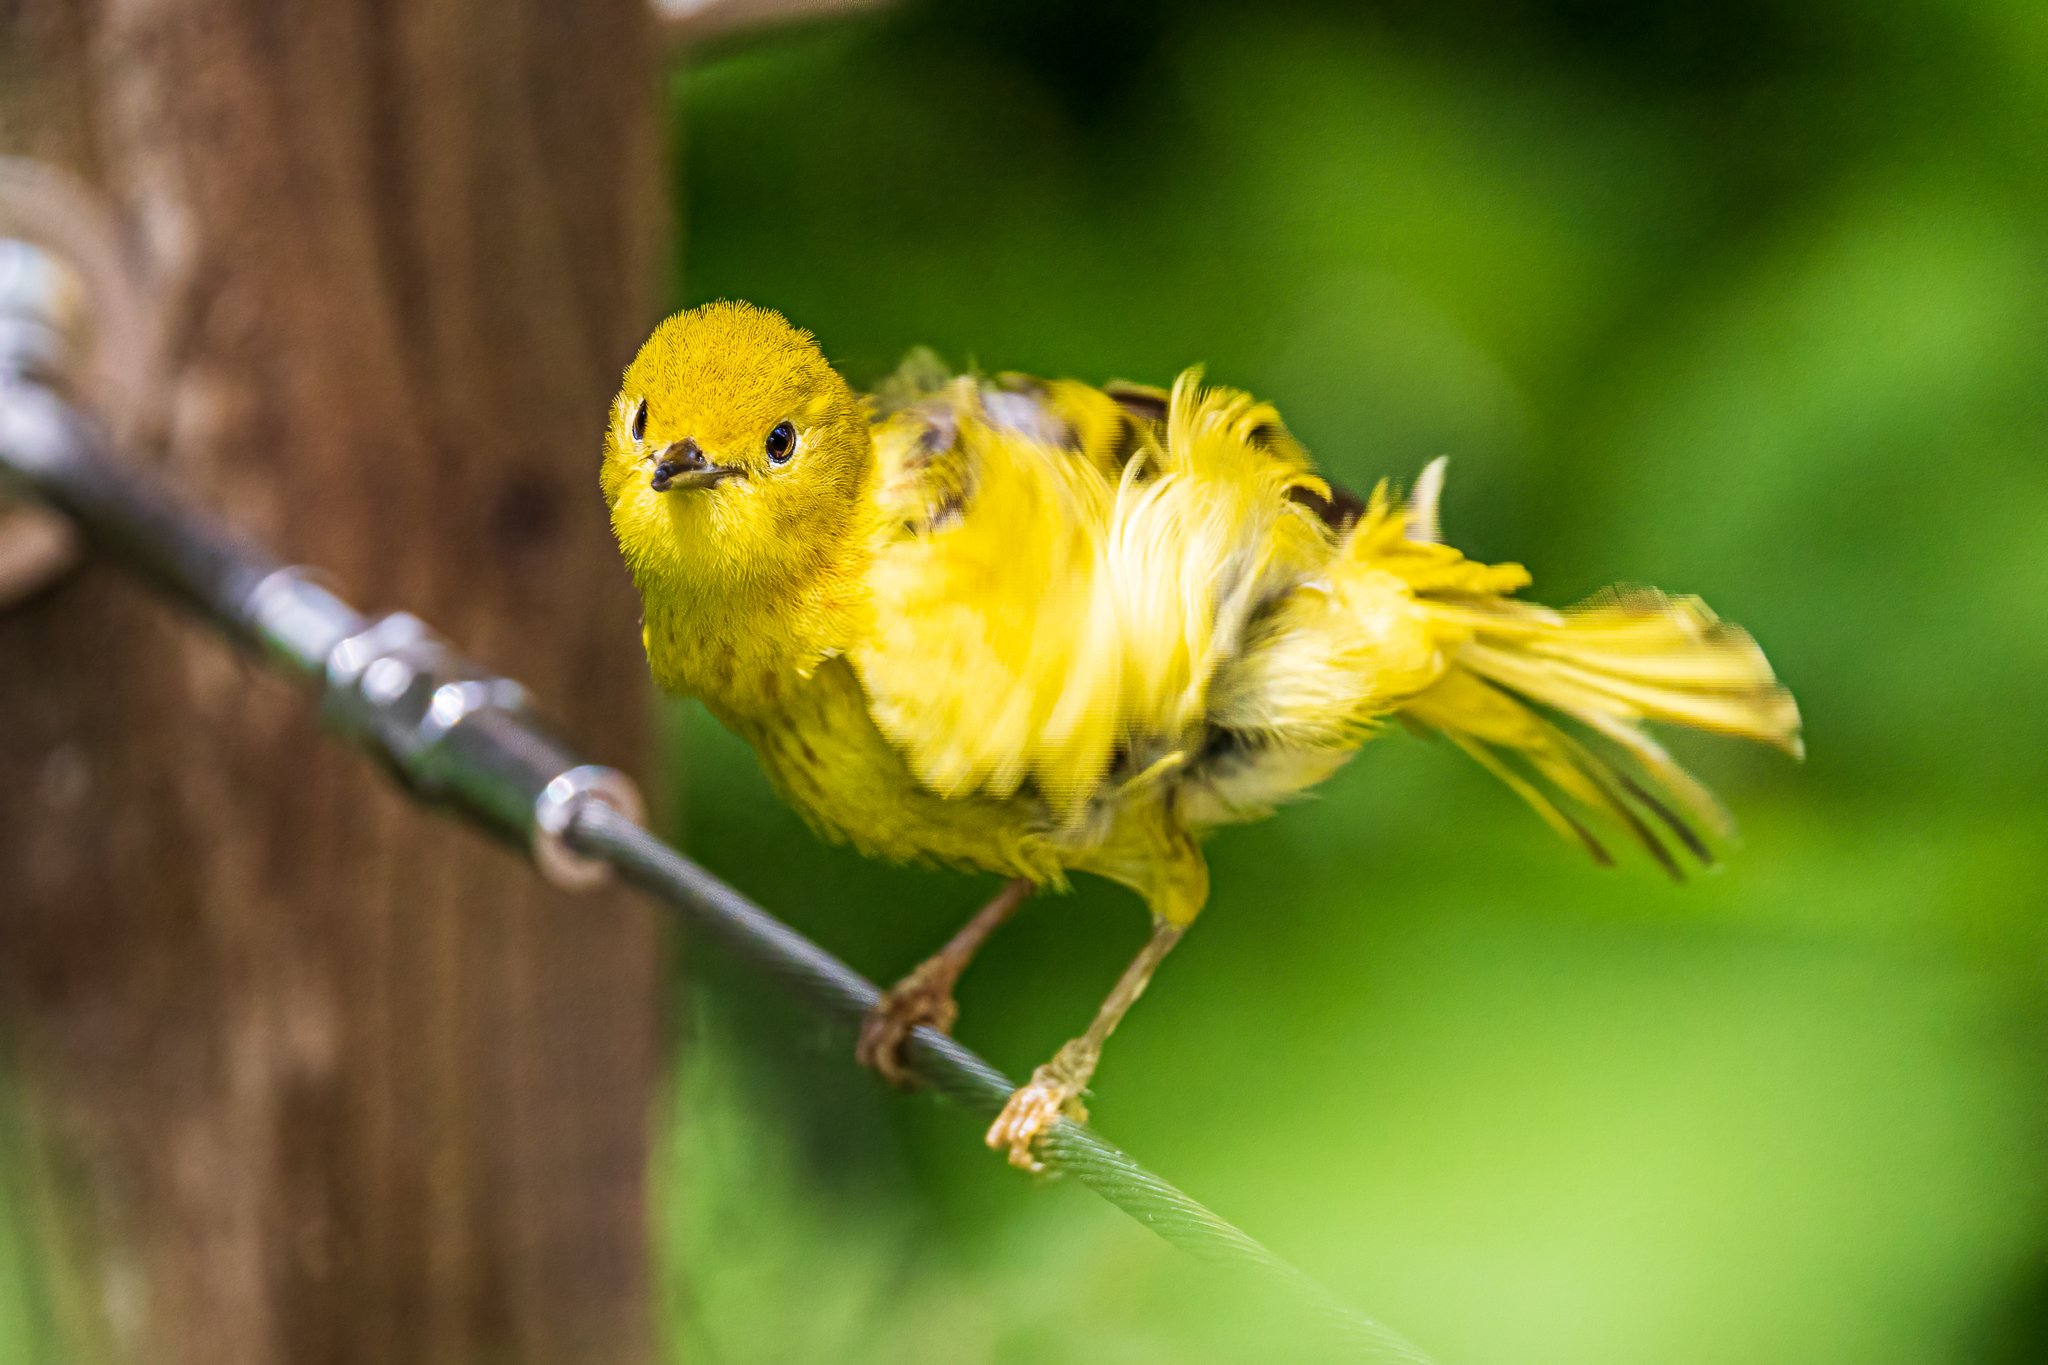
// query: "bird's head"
[[736, 461]]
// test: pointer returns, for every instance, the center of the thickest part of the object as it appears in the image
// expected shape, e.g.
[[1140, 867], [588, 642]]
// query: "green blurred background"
[[1749, 300]]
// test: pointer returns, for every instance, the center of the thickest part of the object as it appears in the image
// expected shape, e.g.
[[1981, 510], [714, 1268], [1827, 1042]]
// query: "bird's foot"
[[925, 997], [1053, 1093]]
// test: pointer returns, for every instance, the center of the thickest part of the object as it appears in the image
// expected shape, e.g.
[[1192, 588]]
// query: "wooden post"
[[318, 1077]]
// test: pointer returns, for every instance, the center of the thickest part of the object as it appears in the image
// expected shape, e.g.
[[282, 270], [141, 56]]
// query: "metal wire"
[[821, 980], [463, 739]]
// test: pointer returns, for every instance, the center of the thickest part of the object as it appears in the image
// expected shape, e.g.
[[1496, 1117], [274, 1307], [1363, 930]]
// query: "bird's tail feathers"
[[1554, 703]]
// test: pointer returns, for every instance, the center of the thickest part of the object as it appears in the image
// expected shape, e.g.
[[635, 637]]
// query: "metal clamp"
[[298, 621], [41, 324], [456, 734], [42, 311], [462, 736], [555, 811]]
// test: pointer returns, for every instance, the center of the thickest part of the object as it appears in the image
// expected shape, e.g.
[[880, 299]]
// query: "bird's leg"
[[926, 995], [1055, 1089]]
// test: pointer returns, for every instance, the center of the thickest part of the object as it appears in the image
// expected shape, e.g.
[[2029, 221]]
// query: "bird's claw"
[[920, 999], [1053, 1093]]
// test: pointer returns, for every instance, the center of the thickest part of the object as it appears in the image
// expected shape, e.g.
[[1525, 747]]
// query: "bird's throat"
[[743, 650]]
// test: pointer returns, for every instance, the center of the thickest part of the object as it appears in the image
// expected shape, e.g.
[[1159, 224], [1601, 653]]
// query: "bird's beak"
[[681, 464]]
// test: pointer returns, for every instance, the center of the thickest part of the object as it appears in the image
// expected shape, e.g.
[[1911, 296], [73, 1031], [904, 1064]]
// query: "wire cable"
[[821, 980]]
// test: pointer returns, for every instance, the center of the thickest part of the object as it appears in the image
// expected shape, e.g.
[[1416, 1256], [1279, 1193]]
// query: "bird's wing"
[[928, 461], [1058, 573]]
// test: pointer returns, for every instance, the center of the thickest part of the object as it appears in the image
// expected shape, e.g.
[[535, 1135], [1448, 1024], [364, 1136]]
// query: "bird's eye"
[[781, 443], [639, 423]]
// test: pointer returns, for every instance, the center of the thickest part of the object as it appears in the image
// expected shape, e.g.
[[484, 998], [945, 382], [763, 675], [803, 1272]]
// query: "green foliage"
[[1744, 300]]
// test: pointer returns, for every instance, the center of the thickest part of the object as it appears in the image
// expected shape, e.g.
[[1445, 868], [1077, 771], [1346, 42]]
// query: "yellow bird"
[[1040, 627]]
